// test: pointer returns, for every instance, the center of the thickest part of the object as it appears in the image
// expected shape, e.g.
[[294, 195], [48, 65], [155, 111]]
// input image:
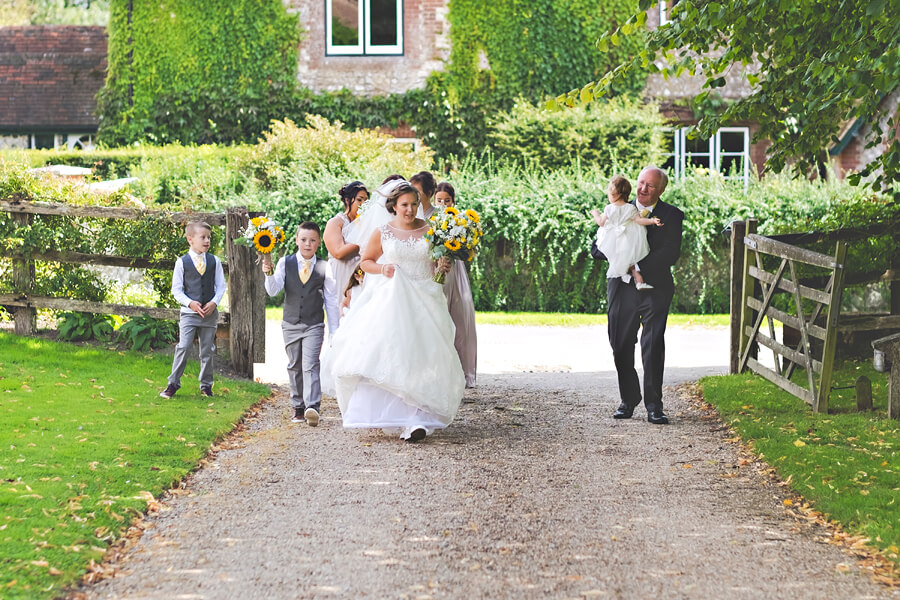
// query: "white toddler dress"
[[621, 240]]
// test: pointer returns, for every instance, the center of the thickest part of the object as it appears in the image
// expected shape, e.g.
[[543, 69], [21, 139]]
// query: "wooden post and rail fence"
[[243, 324], [763, 268]]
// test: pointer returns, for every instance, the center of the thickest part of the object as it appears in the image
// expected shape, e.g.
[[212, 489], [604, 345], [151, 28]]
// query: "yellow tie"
[[305, 272], [200, 264], [644, 213]]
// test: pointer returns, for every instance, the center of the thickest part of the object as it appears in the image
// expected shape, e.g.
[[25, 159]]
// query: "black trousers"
[[629, 310]]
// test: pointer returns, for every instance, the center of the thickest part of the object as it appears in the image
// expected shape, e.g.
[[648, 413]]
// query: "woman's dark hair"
[[349, 192], [401, 189], [446, 187], [391, 178], [426, 180]]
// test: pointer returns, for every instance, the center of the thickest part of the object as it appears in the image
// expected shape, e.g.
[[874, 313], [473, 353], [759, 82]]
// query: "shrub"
[[145, 333], [325, 148], [79, 326], [619, 135]]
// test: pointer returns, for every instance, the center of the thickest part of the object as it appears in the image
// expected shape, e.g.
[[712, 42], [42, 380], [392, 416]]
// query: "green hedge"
[[537, 228]]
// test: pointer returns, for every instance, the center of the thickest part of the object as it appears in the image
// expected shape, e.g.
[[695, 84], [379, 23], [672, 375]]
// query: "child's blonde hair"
[[192, 227], [621, 186]]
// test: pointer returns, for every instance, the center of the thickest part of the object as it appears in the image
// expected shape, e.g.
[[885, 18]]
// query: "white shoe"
[[643, 286], [312, 417]]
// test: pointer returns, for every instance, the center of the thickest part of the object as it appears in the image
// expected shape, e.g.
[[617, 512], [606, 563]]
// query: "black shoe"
[[298, 416], [657, 417], [206, 390], [418, 434], [169, 391], [623, 412]]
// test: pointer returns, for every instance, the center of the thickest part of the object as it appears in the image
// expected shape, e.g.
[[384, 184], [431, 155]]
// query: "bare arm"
[[334, 240], [599, 217], [373, 252], [648, 221]]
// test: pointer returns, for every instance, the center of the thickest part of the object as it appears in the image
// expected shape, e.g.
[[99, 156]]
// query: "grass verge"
[[845, 463], [87, 442], [561, 319]]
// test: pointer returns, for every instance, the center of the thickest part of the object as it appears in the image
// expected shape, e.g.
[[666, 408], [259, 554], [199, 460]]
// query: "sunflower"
[[264, 241], [452, 245], [473, 216], [451, 211]]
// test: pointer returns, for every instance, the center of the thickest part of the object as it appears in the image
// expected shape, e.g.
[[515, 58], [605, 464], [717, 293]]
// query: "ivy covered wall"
[[195, 71]]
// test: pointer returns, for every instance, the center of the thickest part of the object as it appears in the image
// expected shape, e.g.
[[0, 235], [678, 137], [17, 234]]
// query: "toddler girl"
[[621, 236]]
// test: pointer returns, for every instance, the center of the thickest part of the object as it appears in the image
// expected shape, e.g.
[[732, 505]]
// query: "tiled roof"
[[50, 76]]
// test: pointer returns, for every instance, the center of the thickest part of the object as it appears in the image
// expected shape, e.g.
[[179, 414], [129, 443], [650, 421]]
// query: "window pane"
[[384, 22], [732, 165], [698, 161], [731, 141], [669, 163], [44, 141], [345, 22], [696, 145]]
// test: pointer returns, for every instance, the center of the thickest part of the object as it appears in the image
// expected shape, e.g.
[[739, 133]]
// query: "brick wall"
[[425, 47]]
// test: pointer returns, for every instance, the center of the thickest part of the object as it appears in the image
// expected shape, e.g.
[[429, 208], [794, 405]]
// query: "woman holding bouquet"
[[392, 363], [458, 291], [343, 256]]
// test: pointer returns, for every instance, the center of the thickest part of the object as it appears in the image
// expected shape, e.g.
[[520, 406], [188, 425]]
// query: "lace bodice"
[[408, 250]]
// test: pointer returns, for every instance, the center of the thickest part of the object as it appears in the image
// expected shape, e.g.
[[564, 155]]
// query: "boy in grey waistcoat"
[[198, 284], [309, 292]]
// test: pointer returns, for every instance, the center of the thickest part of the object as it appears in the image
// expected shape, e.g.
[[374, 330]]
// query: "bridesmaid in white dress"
[[343, 256], [392, 363], [459, 299]]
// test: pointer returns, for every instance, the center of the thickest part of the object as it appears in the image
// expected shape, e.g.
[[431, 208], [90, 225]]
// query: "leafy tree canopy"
[[821, 64]]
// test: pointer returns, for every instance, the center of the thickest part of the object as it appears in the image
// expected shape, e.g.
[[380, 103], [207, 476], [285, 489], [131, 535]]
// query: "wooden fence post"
[[747, 289], [246, 295], [834, 310], [23, 280], [738, 230]]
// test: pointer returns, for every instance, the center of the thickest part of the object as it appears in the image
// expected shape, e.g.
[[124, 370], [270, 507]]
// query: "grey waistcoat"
[[201, 288], [304, 303]]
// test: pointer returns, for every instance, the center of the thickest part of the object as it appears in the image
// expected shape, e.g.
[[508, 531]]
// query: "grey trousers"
[[303, 344], [205, 329]]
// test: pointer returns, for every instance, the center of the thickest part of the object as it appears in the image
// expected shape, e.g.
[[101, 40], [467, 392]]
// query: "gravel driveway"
[[533, 492]]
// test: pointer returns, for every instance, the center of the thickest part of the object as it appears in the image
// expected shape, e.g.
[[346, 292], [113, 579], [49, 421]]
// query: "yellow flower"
[[471, 257], [264, 241], [430, 231], [452, 245], [257, 221], [451, 211], [460, 221], [444, 225], [473, 216]]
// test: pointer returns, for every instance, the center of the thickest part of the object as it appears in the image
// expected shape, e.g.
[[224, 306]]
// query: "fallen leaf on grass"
[[799, 443], [54, 571], [40, 563]]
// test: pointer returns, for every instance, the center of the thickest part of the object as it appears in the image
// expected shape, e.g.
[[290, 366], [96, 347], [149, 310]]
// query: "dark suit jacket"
[[665, 247]]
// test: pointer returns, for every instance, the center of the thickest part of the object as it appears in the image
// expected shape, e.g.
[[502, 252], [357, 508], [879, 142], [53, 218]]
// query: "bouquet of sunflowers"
[[454, 234], [263, 234]]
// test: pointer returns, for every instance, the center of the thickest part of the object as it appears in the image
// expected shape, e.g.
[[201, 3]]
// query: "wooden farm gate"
[[244, 323], [754, 307]]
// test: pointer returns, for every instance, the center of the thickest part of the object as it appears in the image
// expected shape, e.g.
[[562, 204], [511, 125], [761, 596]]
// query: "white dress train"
[[392, 364]]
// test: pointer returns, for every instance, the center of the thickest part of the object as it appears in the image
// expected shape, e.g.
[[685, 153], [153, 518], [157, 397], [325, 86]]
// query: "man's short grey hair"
[[662, 174]]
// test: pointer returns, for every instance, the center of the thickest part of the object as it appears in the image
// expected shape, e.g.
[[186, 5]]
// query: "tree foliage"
[[821, 64]]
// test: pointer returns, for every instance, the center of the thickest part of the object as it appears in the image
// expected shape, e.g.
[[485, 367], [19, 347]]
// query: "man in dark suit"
[[630, 308]]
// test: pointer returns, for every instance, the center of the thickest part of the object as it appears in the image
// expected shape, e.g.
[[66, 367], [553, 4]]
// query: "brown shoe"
[[206, 390], [169, 391], [298, 416]]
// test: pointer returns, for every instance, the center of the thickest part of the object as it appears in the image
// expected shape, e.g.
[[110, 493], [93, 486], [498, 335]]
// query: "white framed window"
[[363, 27], [727, 152], [665, 10]]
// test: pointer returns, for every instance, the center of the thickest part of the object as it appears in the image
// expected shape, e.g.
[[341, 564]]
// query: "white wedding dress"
[[392, 364]]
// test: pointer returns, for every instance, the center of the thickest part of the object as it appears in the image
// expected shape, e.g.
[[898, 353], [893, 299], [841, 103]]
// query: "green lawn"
[[86, 443], [845, 463], [561, 319]]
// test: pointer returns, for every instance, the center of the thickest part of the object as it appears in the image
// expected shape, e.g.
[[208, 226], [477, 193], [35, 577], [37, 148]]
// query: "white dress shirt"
[[275, 283], [178, 282]]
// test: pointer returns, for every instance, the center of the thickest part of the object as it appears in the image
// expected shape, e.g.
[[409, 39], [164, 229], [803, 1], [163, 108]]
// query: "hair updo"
[[400, 190], [349, 192], [446, 187], [426, 180]]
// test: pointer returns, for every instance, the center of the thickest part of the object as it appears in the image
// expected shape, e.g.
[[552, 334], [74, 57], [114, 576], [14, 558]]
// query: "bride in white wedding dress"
[[392, 363]]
